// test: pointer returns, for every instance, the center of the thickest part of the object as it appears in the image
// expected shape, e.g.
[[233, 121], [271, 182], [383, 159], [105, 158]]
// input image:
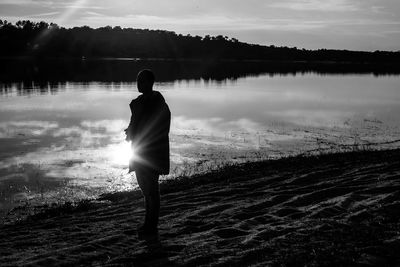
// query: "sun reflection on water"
[[122, 153]]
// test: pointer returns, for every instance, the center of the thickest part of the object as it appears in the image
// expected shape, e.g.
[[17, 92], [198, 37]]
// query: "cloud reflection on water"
[[9, 129], [77, 134]]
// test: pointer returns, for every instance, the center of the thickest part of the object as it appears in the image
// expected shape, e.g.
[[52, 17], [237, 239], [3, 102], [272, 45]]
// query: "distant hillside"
[[40, 39]]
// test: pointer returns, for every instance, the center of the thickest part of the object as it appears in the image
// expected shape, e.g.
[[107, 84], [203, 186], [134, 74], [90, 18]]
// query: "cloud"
[[48, 14], [15, 2], [91, 13], [202, 22], [75, 4], [317, 5]]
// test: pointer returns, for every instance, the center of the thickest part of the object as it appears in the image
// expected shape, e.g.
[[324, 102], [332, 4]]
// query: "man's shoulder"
[[153, 99], [136, 100], [158, 98]]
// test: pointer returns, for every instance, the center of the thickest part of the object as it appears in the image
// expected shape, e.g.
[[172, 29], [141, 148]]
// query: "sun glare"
[[122, 153]]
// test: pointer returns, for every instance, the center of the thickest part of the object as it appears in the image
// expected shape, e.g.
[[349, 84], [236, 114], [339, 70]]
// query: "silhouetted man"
[[148, 130]]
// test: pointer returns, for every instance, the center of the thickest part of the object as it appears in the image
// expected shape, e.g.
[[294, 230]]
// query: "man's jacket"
[[149, 132]]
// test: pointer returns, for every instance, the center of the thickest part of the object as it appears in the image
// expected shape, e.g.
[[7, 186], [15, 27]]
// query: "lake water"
[[64, 140]]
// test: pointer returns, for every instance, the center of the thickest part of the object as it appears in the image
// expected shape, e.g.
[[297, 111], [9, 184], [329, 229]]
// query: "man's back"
[[149, 130]]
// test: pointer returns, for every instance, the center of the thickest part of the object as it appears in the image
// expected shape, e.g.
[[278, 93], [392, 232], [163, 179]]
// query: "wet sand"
[[340, 209]]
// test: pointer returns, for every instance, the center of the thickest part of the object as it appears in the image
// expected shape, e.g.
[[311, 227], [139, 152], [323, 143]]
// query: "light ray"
[[64, 17], [71, 10]]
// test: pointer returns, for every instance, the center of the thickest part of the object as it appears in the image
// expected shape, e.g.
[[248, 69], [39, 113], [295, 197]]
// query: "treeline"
[[44, 40]]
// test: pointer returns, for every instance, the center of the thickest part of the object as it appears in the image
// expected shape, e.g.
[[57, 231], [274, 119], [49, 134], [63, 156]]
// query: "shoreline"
[[339, 209]]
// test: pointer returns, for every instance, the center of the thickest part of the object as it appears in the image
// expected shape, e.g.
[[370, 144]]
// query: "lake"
[[61, 128]]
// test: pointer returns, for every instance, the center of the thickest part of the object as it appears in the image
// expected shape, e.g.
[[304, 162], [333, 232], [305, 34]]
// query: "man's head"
[[145, 81]]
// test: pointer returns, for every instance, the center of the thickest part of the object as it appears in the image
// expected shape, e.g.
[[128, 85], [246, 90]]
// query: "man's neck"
[[148, 93]]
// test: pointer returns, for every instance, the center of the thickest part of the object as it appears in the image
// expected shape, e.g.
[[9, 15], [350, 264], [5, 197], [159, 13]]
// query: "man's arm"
[[167, 118], [130, 130]]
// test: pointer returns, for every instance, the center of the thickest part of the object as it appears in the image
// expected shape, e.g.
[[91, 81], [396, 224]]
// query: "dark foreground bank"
[[340, 209]]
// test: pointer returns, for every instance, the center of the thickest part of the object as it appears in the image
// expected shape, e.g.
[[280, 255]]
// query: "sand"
[[329, 210]]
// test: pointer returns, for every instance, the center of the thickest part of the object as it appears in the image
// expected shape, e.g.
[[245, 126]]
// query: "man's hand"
[[127, 135]]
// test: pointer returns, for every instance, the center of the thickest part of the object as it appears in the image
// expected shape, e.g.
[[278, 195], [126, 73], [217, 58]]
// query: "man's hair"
[[146, 75]]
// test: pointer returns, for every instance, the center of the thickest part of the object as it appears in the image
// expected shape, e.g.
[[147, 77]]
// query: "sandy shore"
[[341, 209]]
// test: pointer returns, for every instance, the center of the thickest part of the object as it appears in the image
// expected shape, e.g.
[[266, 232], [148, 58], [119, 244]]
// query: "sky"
[[338, 24]]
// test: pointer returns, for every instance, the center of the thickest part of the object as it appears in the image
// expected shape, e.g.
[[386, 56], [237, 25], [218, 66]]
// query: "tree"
[[41, 39]]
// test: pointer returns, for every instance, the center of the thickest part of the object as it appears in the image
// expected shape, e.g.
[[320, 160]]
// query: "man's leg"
[[154, 209], [148, 183]]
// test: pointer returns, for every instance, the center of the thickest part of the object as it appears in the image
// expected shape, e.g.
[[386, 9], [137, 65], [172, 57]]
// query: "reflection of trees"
[[40, 39], [44, 74], [32, 88]]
